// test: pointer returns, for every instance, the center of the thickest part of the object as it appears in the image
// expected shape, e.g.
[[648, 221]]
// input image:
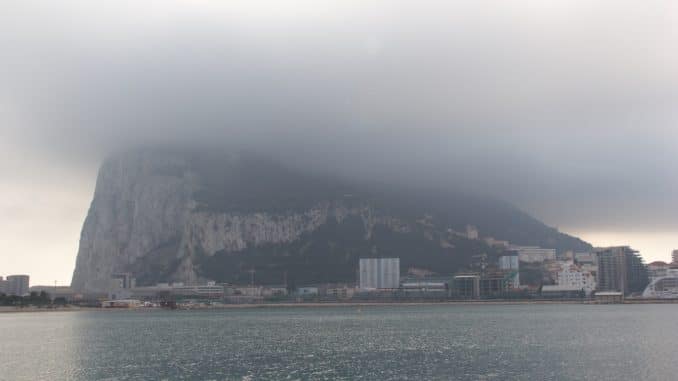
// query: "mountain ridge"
[[188, 217]]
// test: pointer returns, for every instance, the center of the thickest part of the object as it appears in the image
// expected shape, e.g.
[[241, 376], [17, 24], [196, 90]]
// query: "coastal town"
[[507, 273]]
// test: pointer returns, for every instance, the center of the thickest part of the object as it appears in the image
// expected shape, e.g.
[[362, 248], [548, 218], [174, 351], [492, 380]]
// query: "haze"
[[566, 108]]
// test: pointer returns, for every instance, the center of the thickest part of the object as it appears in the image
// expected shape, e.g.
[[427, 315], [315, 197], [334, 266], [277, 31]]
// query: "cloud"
[[566, 108]]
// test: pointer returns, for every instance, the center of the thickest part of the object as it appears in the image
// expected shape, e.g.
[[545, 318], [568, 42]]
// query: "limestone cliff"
[[141, 202], [169, 216]]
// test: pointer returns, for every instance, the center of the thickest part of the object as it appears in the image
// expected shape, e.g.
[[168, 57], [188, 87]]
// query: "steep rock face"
[[144, 219], [168, 216], [141, 202]]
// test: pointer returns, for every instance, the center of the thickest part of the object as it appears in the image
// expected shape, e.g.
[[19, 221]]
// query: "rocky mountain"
[[178, 216]]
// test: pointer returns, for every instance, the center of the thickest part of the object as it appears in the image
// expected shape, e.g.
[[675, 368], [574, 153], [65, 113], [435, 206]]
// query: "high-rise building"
[[674, 257], [621, 269], [3, 286], [17, 285], [511, 264], [379, 273]]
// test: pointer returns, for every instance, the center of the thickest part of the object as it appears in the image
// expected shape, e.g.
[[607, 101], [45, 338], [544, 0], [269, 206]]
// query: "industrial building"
[[379, 273]]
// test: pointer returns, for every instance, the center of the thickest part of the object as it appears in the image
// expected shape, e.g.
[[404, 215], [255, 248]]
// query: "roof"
[[558, 288], [609, 293]]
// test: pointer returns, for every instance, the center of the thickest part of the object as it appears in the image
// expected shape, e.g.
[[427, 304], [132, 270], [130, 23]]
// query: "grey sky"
[[567, 109]]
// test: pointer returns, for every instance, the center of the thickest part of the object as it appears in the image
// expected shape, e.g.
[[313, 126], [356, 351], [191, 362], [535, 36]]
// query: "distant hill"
[[178, 216]]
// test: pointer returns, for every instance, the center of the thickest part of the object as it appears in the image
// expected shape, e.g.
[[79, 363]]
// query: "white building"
[[572, 276], [379, 273], [534, 254], [471, 232], [663, 287]]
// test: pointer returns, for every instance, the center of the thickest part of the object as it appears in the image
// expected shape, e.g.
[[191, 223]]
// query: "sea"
[[409, 342]]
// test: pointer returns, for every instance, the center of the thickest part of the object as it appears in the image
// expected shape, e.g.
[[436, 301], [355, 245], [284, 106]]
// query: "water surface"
[[476, 342]]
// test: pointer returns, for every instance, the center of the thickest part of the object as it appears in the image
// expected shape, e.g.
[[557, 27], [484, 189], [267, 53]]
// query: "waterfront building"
[[467, 286], [574, 277], [210, 290], [307, 291], [379, 273], [621, 269], [495, 283], [511, 263], [674, 257], [3, 285], [664, 286], [54, 292], [338, 291], [178, 290], [560, 291], [271, 291], [121, 303], [248, 290], [534, 254], [18, 285], [425, 286], [609, 297]]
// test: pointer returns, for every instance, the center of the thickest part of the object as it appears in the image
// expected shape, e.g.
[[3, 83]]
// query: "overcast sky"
[[569, 109]]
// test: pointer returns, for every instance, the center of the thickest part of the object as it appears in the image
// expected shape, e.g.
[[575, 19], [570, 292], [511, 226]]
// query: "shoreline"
[[335, 305]]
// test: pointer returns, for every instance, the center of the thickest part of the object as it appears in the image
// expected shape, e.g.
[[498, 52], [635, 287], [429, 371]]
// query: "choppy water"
[[487, 342]]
